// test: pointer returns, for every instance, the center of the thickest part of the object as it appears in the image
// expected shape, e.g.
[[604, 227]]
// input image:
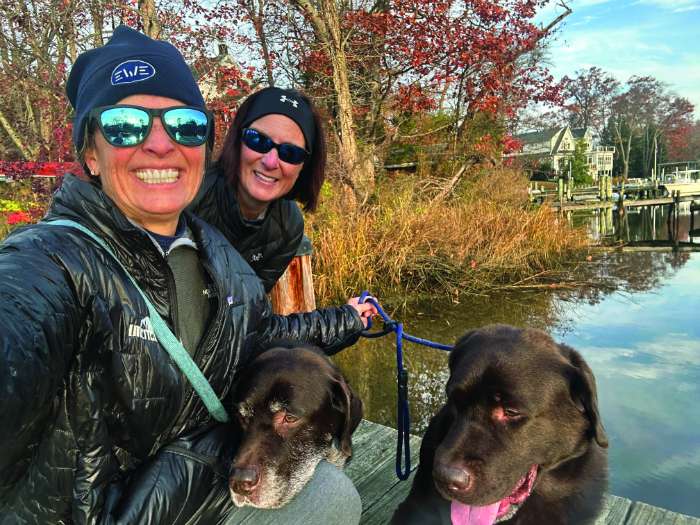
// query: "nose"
[[158, 141], [244, 479], [271, 159], [458, 480]]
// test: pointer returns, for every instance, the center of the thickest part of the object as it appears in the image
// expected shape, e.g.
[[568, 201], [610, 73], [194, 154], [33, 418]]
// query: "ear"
[[346, 402], [583, 393], [90, 160], [459, 349]]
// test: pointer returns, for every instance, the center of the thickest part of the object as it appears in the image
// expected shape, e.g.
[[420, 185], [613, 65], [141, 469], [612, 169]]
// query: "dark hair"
[[308, 185]]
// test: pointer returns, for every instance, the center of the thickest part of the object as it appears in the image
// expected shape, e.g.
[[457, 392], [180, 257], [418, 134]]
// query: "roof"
[[578, 133], [534, 137]]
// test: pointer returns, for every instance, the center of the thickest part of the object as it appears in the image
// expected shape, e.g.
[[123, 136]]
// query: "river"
[[639, 333]]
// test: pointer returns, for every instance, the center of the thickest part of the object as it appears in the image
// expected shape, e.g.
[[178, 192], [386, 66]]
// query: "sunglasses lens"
[[257, 141], [187, 126], [124, 126], [262, 144], [291, 153]]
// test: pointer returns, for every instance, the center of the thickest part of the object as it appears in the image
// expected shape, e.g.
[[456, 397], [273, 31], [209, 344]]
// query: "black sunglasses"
[[261, 143], [124, 126]]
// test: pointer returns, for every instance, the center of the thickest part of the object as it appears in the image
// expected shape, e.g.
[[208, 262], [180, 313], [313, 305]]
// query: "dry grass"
[[407, 243]]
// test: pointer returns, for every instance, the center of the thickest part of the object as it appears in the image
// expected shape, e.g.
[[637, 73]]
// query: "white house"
[[556, 145]]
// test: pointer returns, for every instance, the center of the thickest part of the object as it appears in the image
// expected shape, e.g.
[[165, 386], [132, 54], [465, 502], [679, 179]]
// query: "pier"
[[565, 197], [372, 469]]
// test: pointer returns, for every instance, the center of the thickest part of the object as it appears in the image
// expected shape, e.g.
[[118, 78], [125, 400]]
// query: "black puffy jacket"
[[269, 244], [87, 394]]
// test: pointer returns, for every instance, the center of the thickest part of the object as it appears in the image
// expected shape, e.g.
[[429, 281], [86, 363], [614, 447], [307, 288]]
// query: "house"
[[211, 72], [555, 146]]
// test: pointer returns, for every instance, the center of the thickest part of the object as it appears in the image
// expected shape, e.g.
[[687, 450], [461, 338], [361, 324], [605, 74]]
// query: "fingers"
[[365, 310]]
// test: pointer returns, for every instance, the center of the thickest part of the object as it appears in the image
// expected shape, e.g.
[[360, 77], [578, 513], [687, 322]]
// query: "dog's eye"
[[290, 419], [511, 412]]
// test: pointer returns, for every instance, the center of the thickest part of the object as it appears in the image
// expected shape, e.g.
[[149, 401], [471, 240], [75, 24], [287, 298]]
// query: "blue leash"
[[403, 421]]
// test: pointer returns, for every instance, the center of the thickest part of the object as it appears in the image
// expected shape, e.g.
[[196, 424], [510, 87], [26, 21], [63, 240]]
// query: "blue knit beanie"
[[129, 64]]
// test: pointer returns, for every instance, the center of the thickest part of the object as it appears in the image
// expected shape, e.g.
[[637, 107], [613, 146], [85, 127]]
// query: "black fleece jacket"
[[269, 244]]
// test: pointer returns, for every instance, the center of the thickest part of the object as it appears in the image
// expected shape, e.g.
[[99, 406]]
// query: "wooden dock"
[[372, 469]]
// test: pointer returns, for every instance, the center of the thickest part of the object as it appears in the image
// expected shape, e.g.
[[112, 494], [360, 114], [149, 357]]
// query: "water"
[[642, 341]]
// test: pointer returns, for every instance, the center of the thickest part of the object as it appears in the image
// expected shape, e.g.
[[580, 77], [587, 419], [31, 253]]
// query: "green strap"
[[166, 337]]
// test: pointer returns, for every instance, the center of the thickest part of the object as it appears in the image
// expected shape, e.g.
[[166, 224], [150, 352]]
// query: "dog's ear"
[[458, 351], [584, 394], [347, 403]]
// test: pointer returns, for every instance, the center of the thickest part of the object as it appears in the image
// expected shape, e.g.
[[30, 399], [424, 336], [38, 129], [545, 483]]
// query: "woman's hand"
[[365, 310]]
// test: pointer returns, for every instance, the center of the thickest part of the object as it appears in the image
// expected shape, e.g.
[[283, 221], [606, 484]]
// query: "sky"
[[660, 38]]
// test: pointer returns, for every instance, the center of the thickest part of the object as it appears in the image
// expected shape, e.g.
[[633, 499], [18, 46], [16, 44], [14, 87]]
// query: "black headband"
[[278, 101]]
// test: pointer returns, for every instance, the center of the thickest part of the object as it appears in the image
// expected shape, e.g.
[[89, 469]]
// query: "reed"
[[410, 243]]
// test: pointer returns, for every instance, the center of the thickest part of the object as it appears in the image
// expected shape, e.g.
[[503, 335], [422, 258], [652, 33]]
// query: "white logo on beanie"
[[132, 71], [293, 102]]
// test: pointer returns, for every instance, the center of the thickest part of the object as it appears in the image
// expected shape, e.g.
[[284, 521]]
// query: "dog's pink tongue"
[[462, 514]]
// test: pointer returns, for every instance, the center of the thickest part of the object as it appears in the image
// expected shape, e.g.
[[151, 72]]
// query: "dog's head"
[[519, 404], [295, 409]]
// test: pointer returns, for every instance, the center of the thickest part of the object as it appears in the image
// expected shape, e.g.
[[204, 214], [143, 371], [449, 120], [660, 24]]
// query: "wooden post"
[[294, 292], [560, 191], [692, 215]]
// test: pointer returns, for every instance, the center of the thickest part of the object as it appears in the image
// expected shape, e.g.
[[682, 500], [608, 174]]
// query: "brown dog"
[[520, 440], [295, 409]]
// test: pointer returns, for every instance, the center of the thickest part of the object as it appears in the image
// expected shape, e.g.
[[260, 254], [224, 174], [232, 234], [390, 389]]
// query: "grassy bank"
[[408, 243]]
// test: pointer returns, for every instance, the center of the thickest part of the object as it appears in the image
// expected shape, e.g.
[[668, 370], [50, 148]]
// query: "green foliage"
[[7, 205], [579, 165], [420, 138]]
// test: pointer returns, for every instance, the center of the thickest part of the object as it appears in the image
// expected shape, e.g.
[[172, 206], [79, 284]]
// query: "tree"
[[40, 39], [579, 165], [374, 65], [646, 112], [588, 98], [370, 65]]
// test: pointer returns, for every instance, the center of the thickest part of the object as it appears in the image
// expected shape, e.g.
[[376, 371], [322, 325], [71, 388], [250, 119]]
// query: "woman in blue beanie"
[[118, 302], [274, 154]]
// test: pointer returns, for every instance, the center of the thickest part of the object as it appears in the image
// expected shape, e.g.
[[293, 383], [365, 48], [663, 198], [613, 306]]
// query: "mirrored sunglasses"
[[261, 143], [124, 126]]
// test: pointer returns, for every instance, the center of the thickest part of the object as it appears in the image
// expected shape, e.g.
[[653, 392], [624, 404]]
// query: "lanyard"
[[165, 336]]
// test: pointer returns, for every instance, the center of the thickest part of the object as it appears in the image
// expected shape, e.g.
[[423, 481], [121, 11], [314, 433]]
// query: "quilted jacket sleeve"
[[332, 329], [37, 341]]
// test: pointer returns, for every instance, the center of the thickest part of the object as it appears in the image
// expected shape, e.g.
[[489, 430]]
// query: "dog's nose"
[[243, 480], [455, 479]]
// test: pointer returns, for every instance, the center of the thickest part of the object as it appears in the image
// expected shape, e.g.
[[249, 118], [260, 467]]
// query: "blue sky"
[[660, 38]]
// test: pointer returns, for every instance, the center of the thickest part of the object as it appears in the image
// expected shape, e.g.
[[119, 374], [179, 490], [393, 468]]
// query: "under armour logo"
[[256, 257], [293, 102]]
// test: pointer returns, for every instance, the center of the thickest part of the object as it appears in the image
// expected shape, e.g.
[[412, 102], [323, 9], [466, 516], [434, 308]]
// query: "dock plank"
[[372, 469], [615, 511], [644, 514]]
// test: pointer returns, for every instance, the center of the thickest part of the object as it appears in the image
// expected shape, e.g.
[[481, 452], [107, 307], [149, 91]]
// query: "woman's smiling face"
[[263, 177], [153, 182]]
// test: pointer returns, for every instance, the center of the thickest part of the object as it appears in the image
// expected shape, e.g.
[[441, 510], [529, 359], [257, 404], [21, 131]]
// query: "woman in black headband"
[[274, 153]]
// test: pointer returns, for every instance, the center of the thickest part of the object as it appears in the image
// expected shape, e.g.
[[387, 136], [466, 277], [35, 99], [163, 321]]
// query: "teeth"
[[157, 176], [265, 178]]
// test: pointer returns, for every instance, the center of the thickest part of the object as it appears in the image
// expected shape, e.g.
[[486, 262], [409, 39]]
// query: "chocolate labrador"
[[295, 409], [520, 440]]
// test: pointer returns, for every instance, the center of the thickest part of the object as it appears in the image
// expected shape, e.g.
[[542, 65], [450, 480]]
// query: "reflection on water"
[[641, 223], [642, 341]]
